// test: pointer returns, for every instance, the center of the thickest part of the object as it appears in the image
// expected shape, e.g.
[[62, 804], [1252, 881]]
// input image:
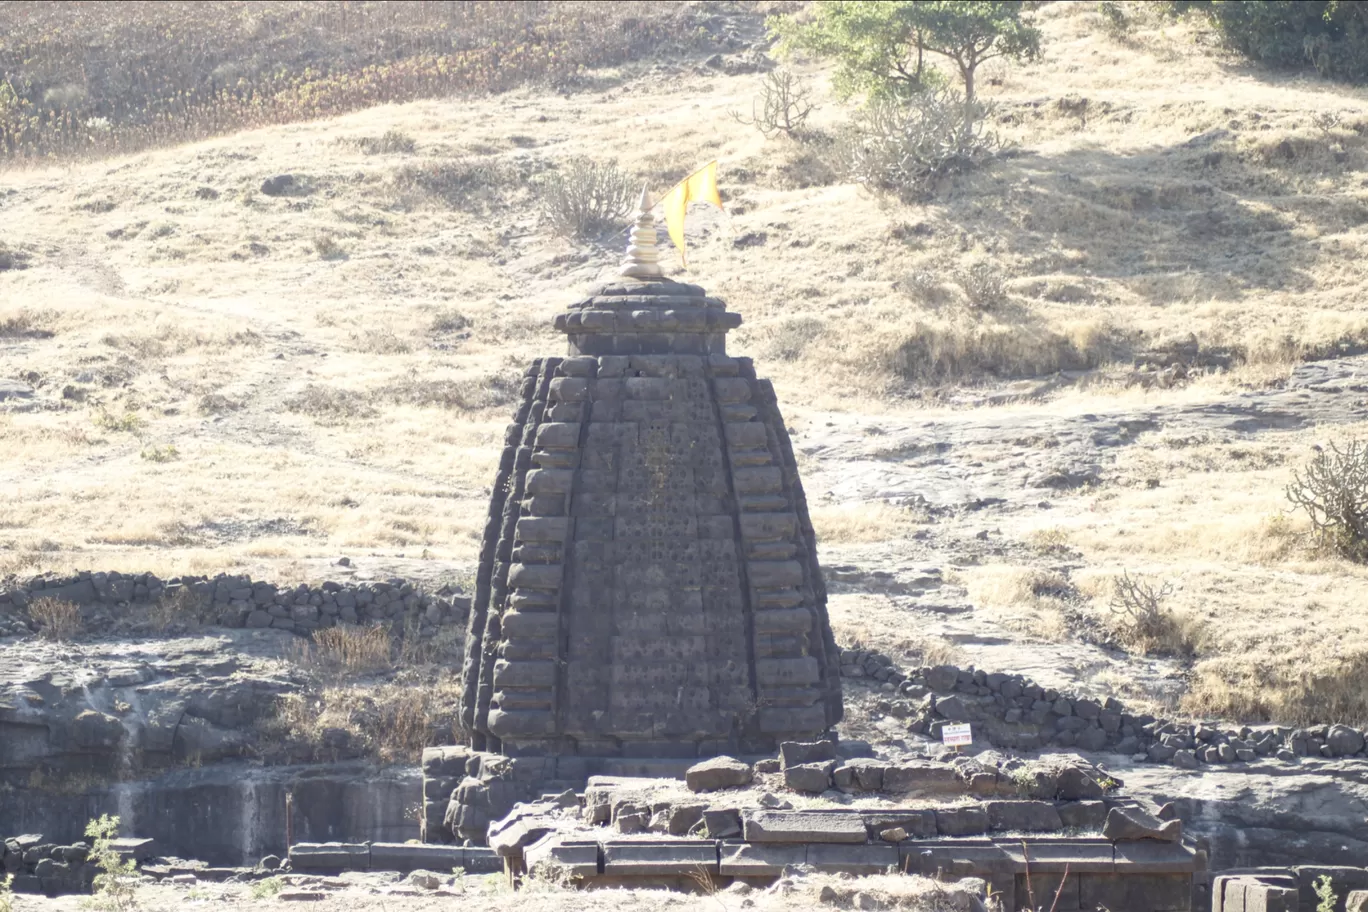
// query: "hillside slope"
[[223, 379]]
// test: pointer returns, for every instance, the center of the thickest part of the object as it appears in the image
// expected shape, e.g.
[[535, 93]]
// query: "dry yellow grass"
[[351, 399]]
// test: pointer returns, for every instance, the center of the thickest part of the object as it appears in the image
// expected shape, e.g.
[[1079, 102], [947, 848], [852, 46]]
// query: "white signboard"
[[957, 735]]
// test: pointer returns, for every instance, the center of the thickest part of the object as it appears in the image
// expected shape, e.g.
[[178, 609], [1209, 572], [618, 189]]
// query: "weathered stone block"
[[1027, 816], [721, 823], [400, 856], [803, 826], [813, 778], [961, 821], [923, 778], [329, 856], [853, 859], [741, 859], [663, 857]]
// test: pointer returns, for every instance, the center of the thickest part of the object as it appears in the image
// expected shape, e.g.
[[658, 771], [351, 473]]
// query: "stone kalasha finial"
[[642, 260]]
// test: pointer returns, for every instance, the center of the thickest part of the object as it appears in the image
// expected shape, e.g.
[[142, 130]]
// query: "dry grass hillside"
[[227, 379]]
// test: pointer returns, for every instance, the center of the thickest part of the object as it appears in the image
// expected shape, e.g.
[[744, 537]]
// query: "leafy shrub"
[[57, 619], [127, 423], [905, 148], [586, 199], [167, 453], [782, 106], [117, 881], [1290, 34], [267, 888], [1332, 489]]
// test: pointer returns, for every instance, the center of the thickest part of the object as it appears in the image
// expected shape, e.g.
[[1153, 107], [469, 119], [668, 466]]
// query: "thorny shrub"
[[1147, 625], [907, 147], [586, 199], [782, 106], [1332, 489]]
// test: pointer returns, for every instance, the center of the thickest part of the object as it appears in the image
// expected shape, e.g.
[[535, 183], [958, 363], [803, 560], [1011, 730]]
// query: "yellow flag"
[[699, 187]]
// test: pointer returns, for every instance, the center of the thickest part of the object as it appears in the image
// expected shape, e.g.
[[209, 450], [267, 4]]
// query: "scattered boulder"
[[279, 185], [1343, 740], [717, 773]]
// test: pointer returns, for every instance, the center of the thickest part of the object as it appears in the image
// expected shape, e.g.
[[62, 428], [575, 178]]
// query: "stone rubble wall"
[[107, 600], [1010, 711], [40, 867]]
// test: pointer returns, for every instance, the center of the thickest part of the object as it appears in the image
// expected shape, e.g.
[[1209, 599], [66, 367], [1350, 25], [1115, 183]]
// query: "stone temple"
[[648, 583]]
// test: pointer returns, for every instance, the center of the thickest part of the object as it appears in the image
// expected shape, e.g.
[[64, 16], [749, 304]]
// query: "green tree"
[[880, 47]]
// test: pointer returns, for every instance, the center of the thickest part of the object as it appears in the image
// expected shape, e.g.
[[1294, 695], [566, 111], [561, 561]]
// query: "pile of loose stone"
[[1011, 711], [986, 816], [105, 600]]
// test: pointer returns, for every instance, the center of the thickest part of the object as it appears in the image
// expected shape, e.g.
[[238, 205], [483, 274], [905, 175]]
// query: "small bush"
[[464, 184], [1325, 894], [10, 258], [463, 395], [448, 321], [26, 323], [1114, 18], [391, 142], [1146, 624], [265, 889], [6, 894], [587, 199], [327, 247], [790, 337], [326, 402], [181, 607], [1332, 489], [348, 648], [906, 148], [217, 404], [167, 453], [782, 106], [57, 619], [984, 286], [127, 423], [116, 884]]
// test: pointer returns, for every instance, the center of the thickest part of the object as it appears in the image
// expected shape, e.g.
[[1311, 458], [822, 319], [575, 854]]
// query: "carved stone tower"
[[648, 582]]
